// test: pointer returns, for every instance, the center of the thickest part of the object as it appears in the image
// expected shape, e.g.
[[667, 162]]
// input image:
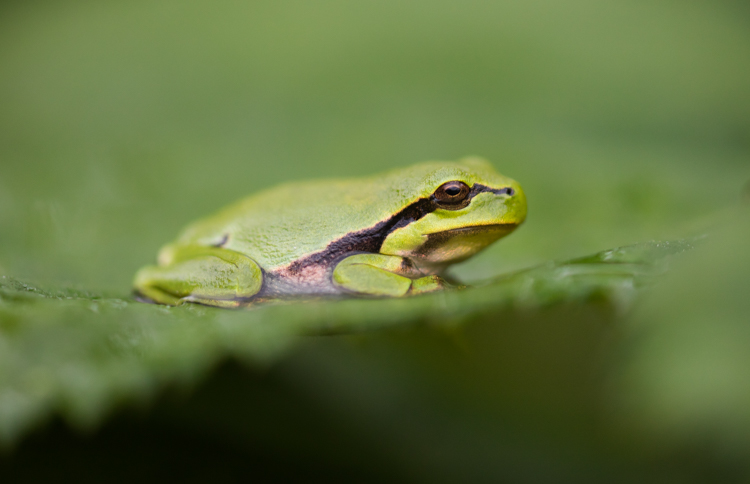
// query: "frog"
[[389, 235]]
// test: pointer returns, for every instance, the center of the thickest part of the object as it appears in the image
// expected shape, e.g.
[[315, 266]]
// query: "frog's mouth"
[[473, 229], [455, 245]]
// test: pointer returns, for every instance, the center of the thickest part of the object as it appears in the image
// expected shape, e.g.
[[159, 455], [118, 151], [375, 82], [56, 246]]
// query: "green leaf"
[[81, 354]]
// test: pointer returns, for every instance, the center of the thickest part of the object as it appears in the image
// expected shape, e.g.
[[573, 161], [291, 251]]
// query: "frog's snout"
[[514, 205]]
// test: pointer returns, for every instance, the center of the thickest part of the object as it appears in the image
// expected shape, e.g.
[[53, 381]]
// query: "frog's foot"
[[204, 275], [383, 275], [428, 284]]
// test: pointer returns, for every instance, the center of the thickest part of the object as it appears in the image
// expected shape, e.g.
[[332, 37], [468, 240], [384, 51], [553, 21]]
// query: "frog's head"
[[460, 208]]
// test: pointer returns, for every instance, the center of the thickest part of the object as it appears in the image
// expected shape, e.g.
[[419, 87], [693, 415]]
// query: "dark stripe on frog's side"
[[368, 240], [371, 239]]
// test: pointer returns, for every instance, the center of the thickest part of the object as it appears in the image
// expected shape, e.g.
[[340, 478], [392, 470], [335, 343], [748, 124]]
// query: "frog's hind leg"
[[205, 275]]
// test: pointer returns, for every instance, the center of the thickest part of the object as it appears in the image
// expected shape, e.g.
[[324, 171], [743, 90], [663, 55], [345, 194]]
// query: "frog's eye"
[[452, 194]]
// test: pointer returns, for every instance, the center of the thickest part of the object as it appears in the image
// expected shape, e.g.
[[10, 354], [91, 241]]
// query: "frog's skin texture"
[[387, 235]]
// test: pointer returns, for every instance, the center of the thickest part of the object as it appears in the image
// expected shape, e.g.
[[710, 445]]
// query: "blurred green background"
[[122, 121], [625, 121]]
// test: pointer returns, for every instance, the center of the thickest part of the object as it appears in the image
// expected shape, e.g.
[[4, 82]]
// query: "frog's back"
[[283, 224]]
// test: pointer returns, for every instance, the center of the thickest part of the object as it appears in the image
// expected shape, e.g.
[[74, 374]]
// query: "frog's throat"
[[372, 238], [456, 245]]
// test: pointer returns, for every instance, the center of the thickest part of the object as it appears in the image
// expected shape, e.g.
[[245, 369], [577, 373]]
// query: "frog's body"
[[388, 235]]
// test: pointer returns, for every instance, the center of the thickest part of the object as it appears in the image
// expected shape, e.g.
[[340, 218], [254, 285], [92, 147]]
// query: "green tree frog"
[[388, 235]]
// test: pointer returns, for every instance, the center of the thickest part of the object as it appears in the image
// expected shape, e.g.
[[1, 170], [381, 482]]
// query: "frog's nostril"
[[510, 191]]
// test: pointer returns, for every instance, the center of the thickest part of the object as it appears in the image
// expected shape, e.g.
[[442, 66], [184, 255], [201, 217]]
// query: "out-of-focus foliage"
[[686, 378], [625, 122]]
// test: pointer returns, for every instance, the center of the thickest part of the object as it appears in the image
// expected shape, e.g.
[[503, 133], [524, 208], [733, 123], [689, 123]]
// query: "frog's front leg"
[[383, 275], [205, 275]]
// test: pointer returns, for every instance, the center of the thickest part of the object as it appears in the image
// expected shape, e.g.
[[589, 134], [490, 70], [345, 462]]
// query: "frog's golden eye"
[[452, 194]]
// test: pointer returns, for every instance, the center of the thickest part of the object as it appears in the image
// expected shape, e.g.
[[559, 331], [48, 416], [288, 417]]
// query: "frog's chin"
[[455, 245]]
